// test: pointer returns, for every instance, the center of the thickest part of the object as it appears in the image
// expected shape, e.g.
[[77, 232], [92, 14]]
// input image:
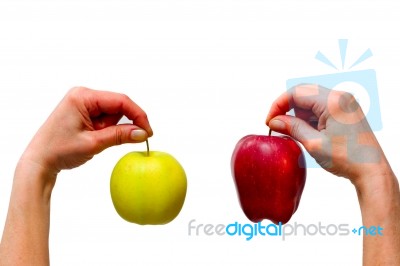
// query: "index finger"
[[106, 102], [304, 96]]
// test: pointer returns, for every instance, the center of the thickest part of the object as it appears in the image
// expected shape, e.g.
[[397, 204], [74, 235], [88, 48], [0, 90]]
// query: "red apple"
[[269, 173]]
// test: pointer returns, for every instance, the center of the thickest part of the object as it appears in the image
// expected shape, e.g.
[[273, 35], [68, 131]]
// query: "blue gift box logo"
[[362, 84]]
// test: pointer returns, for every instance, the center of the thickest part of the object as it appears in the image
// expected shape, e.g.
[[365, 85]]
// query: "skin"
[[333, 129], [82, 125]]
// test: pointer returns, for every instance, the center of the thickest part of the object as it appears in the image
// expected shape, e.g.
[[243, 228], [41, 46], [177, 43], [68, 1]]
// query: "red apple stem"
[[269, 132], [147, 145]]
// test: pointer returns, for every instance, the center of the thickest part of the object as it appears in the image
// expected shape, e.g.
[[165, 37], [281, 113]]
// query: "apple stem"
[[269, 132], [147, 145]]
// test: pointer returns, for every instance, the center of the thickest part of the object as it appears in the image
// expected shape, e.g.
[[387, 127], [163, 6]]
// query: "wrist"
[[379, 199], [37, 155], [378, 194], [35, 177]]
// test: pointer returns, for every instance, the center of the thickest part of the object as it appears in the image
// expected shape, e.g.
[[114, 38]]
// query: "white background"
[[206, 73]]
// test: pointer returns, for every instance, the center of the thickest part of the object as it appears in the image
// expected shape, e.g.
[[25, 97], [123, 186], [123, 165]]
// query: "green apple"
[[148, 187]]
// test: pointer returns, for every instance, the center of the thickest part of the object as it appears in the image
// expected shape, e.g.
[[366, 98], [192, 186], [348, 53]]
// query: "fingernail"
[[138, 135], [277, 125]]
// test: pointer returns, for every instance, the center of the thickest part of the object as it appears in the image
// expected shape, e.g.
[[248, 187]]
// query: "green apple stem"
[[269, 132], [147, 145]]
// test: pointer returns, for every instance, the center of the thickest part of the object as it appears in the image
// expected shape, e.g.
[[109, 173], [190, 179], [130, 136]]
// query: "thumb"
[[117, 135], [295, 127]]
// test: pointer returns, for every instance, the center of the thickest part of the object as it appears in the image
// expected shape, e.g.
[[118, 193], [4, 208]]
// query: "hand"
[[84, 124], [332, 127], [334, 130]]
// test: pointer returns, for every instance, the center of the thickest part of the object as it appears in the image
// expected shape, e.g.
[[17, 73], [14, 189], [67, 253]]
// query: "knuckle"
[[124, 98], [294, 129], [342, 96], [76, 90], [140, 116], [75, 93], [341, 101], [312, 145], [143, 115], [118, 136], [346, 97], [93, 144]]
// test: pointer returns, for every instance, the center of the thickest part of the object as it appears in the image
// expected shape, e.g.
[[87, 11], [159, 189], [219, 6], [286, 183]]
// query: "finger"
[[117, 135], [104, 121], [306, 96], [308, 116], [98, 102], [280, 106], [296, 128]]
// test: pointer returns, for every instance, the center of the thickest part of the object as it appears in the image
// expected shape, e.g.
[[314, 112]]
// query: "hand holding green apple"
[[148, 187]]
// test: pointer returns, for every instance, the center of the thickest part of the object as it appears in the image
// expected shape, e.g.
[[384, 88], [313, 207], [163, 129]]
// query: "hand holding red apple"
[[333, 128]]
